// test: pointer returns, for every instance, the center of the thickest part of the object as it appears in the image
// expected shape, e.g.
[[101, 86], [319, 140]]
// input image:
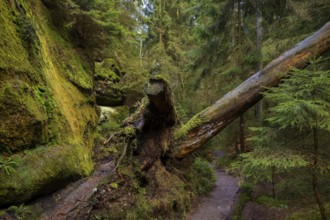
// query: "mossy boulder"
[[115, 87], [41, 171], [107, 74], [47, 112], [107, 94], [108, 70]]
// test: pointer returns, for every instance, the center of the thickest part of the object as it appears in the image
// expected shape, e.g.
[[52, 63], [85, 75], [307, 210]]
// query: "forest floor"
[[220, 202], [253, 210], [72, 201]]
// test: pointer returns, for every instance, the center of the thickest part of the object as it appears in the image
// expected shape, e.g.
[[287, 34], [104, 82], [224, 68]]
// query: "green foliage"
[[164, 197], [226, 161], [113, 120], [114, 185], [8, 165], [302, 102], [107, 70], [303, 99], [99, 27], [244, 197], [271, 202], [274, 47], [308, 213], [201, 176], [143, 208], [258, 165], [194, 122], [20, 212]]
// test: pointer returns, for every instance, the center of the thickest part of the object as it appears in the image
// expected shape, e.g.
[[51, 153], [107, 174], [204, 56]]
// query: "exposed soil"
[[220, 203]]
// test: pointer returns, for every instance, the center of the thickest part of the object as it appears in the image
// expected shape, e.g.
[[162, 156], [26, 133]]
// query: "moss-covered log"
[[212, 120]]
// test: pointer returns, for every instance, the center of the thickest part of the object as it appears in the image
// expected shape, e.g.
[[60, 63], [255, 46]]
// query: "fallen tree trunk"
[[212, 120], [154, 125]]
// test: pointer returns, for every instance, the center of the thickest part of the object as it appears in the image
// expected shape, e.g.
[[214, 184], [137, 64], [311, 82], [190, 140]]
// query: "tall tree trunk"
[[140, 52], [213, 119], [241, 133], [259, 105], [273, 181], [315, 178], [240, 62], [239, 23]]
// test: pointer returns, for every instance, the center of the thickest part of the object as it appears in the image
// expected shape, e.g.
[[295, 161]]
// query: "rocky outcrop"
[[47, 112], [114, 87]]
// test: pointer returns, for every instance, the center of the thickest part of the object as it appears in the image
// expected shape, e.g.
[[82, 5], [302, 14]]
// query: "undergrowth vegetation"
[[8, 165], [165, 191], [163, 196], [201, 176]]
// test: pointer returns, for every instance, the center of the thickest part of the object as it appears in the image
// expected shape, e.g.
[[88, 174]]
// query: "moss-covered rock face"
[[23, 122], [114, 87], [107, 74], [46, 107]]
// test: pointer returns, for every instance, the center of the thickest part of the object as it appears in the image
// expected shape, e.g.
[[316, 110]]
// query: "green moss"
[[30, 39], [13, 54], [23, 120], [129, 131], [164, 197], [45, 120], [45, 99], [226, 161], [192, 123], [69, 61], [170, 200], [161, 77], [111, 121], [107, 69], [154, 88], [143, 208], [42, 170]]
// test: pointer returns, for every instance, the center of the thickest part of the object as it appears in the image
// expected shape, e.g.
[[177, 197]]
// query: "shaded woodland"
[[113, 109]]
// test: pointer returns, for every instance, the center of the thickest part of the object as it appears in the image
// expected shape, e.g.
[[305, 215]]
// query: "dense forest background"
[[64, 63]]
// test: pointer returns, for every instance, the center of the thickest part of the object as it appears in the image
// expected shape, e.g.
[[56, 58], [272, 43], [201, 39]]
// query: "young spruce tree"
[[302, 105]]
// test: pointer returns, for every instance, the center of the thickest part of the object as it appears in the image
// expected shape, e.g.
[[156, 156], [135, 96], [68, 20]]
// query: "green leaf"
[[114, 185]]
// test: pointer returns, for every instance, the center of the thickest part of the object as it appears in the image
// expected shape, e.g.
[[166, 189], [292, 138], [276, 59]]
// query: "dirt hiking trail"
[[219, 203]]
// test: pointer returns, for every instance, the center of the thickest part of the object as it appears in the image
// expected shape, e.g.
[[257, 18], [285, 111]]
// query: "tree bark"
[[259, 31], [315, 184], [273, 181], [241, 133], [216, 117], [155, 125]]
